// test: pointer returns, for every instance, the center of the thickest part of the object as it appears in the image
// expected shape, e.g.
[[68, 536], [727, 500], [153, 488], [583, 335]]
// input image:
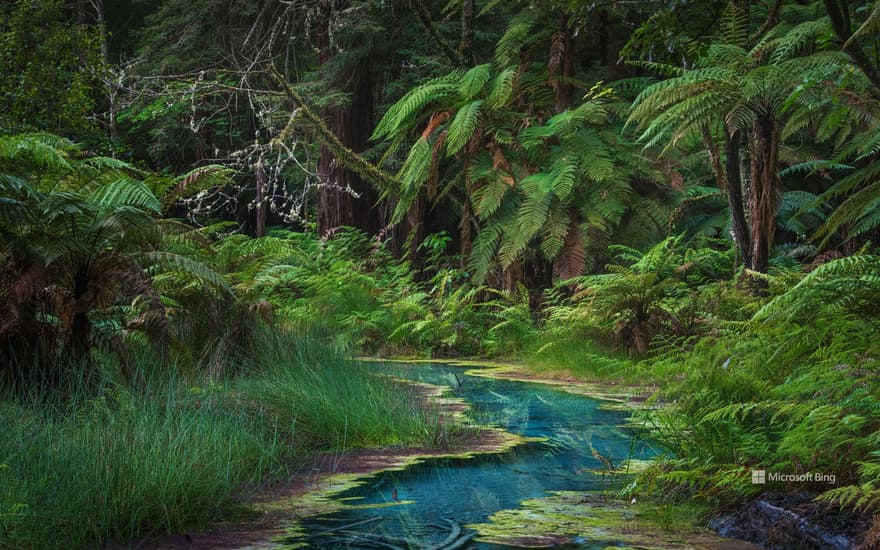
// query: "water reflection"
[[439, 497]]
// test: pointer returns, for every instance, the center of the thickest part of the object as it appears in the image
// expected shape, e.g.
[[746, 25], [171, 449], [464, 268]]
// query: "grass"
[[334, 403], [580, 358], [118, 462]]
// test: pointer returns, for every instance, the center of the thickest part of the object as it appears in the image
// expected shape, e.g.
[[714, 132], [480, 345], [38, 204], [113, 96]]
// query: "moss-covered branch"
[[343, 154]]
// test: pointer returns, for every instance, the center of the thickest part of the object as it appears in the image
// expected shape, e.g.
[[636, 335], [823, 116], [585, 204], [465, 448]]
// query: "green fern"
[[462, 127]]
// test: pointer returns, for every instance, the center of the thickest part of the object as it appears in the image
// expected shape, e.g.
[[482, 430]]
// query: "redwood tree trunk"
[[260, 201], [345, 198], [466, 45]]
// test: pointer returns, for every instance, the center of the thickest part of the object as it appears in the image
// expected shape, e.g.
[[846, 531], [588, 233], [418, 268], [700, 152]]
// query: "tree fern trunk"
[[560, 64], [733, 177], [415, 229], [764, 190], [512, 276], [77, 343], [571, 260], [77, 347]]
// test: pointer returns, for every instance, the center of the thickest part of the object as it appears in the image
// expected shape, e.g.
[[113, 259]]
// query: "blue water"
[[470, 490]]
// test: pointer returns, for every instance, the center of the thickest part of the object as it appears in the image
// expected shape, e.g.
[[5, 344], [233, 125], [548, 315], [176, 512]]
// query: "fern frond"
[[402, 114], [517, 35], [474, 80], [127, 192], [501, 89], [462, 127]]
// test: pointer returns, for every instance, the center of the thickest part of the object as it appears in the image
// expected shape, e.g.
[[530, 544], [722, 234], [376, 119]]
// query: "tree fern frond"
[[173, 263], [800, 39], [127, 192], [474, 80], [42, 150], [515, 38], [462, 127], [403, 113], [483, 253], [414, 171], [501, 89], [734, 25], [105, 164], [535, 207], [564, 172], [487, 198], [190, 183]]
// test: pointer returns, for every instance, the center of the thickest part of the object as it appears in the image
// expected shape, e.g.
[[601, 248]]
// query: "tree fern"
[[535, 207], [734, 25], [38, 149], [850, 283], [488, 196], [485, 246]]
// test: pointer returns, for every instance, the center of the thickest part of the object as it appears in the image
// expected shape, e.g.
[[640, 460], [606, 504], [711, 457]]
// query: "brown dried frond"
[[572, 259], [435, 121]]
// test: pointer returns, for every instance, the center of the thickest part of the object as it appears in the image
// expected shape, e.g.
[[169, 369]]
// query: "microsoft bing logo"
[[759, 477]]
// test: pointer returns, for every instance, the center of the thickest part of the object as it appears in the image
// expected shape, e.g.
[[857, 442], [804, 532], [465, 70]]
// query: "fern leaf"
[[462, 127]]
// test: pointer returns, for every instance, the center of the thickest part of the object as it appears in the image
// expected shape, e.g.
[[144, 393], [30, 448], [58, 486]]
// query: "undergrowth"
[[785, 382]]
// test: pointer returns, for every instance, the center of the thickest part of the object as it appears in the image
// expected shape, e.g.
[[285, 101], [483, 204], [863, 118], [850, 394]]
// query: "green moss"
[[576, 517], [323, 497]]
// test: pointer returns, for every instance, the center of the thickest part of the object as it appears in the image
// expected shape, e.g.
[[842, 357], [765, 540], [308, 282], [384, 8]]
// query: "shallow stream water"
[[579, 435]]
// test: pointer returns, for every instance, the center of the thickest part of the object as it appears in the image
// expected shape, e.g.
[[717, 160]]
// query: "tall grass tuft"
[[330, 401], [167, 453]]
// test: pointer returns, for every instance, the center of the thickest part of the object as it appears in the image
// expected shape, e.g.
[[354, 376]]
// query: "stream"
[[441, 495]]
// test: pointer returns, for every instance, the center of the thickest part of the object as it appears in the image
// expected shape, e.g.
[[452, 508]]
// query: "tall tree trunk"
[[415, 229], [764, 189], [260, 200], [512, 276], [345, 198], [466, 239], [466, 45], [733, 176]]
